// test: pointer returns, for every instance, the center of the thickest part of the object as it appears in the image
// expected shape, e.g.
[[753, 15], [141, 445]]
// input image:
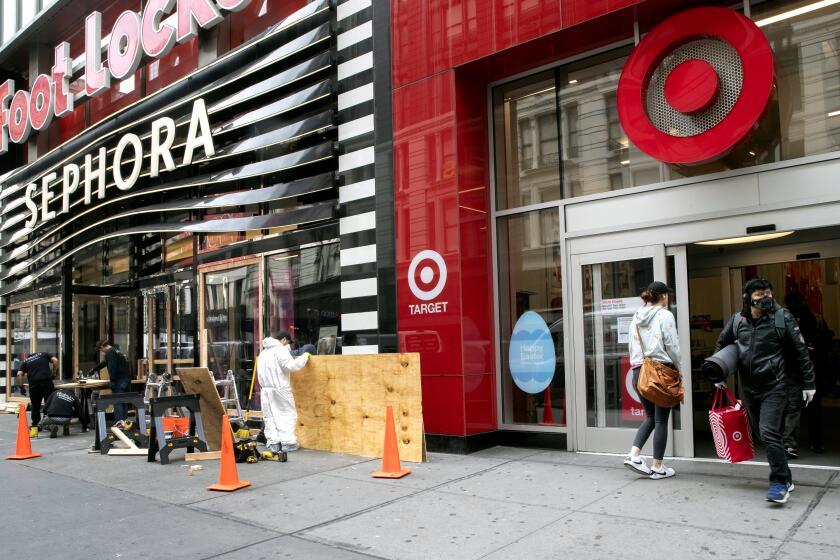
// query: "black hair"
[[751, 286]]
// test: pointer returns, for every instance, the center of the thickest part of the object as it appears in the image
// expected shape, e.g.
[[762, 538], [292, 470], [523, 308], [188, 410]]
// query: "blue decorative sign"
[[531, 355]]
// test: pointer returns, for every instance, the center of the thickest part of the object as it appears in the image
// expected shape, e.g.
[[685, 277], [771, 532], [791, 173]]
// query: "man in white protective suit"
[[274, 368]]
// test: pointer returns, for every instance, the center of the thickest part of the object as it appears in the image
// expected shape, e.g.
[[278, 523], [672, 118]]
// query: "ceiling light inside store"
[[625, 162], [572, 81], [834, 113], [797, 12], [747, 238], [752, 153]]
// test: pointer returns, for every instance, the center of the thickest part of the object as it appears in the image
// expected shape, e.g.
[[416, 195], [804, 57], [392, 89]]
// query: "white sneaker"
[[662, 472], [637, 465]]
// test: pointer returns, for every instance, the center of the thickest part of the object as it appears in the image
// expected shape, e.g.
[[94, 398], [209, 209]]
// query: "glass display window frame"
[[33, 338]]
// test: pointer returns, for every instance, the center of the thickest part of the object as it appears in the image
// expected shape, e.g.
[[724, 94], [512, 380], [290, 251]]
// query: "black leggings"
[[656, 421]]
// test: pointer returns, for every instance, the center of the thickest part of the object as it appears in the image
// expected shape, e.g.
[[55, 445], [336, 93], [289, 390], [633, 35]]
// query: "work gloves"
[[808, 396]]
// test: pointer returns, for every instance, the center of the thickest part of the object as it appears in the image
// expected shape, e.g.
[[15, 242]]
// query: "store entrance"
[[805, 263], [102, 317]]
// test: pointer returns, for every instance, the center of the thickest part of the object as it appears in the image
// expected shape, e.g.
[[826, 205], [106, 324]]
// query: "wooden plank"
[[200, 382], [130, 451], [204, 456], [123, 438], [341, 402]]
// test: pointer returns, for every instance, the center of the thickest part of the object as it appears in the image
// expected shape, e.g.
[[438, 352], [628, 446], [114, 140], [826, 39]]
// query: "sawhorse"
[[195, 438], [104, 438]]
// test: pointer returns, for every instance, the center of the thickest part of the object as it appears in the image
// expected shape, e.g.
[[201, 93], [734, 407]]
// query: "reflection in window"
[[807, 57], [48, 327], [231, 316], [530, 279], [527, 164]]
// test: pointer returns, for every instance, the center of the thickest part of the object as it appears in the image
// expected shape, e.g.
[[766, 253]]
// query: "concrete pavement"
[[500, 503]]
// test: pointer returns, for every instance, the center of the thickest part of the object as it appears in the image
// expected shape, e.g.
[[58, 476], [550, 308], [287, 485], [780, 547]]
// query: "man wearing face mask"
[[762, 331]]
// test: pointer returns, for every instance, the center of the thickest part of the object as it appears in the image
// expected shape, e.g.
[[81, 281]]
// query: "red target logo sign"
[[696, 86], [427, 275]]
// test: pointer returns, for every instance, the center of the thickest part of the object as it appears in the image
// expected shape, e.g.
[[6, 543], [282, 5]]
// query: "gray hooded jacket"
[[659, 335]]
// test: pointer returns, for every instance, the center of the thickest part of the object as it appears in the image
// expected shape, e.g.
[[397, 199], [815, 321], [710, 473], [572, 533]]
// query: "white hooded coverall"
[[274, 368]]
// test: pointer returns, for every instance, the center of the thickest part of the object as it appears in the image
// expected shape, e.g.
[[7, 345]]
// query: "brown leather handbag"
[[658, 383]]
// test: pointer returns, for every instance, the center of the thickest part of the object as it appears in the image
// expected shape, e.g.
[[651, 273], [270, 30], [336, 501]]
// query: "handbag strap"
[[719, 394], [638, 332]]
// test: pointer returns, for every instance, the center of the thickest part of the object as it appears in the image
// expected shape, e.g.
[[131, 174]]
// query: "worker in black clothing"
[[39, 370], [763, 332], [118, 371], [61, 406]]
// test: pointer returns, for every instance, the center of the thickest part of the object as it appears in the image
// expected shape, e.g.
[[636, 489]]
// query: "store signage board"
[[426, 279], [133, 35], [92, 176], [619, 306]]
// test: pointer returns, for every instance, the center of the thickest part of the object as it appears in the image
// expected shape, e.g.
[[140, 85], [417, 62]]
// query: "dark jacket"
[[63, 404], [761, 359], [38, 368], [117, 365]]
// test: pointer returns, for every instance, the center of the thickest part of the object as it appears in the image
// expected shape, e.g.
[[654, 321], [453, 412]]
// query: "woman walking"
[[653, 335]]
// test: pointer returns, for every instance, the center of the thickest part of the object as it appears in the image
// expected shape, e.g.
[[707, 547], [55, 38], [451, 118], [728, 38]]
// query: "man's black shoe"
[[818, 449], [792, 453], [53, 432], [66, 431]]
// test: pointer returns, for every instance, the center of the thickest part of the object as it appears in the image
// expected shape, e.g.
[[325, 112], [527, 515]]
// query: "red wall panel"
[[445, 53]]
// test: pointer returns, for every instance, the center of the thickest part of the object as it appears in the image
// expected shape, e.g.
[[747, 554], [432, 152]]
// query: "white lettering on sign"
[[427, 308], [133, 34], [129, 153]]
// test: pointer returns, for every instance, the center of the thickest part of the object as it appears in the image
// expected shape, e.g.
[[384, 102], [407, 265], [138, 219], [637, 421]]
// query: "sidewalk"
[[500, 503]]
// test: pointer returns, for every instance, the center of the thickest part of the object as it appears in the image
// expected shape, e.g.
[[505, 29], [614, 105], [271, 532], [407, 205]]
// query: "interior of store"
[[806, 262]]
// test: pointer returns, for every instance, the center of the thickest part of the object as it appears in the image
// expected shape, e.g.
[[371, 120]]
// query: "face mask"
[[765, 303]]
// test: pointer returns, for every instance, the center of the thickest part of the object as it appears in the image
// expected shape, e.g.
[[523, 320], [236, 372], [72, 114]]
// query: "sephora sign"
[[133, 35]]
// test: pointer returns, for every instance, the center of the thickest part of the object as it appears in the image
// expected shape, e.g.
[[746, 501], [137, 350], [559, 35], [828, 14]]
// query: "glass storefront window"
[[610, 298], [806, 51], [20, 340], [231, 319], [530, 279], [527, 163], [597, 155], [183, 323], [48, 327], [558, 134], [88, 333]]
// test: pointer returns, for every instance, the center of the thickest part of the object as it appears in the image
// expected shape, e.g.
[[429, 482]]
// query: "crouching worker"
[[274, 368], [60, 408]]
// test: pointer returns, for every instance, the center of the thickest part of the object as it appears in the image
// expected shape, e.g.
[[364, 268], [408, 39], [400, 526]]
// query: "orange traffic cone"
[[24, 446], [548, 413], [391, 453], [228, 477]]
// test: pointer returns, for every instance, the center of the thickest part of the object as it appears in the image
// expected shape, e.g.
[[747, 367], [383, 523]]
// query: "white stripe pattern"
[[359, 158], [358, 255], [356, 35], [359, 222], [365, 287], [355, 66], [356, 191], [355, 96], [351, 7], [365, 321], [355, 128]]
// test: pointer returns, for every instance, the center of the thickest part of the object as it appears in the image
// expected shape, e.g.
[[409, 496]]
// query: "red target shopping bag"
[[730, 428]]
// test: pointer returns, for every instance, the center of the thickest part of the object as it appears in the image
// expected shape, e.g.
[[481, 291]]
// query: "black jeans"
[[767, 412], [38, 393], [793, 414], [120, 386], [656, 421]]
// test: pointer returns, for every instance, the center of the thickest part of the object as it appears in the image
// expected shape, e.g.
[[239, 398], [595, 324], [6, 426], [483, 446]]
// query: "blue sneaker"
[[791, 486], [778, 493]]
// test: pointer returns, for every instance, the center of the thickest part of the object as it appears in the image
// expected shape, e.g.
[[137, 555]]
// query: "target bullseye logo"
[[737, 436], [430, 264], [696, 86]]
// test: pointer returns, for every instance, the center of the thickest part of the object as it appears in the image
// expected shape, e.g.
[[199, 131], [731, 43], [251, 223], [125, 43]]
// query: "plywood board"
[[199, 381], [341, 403]]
